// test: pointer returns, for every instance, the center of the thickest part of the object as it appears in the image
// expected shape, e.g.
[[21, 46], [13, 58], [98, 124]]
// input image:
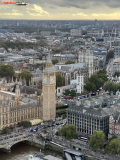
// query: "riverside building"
[[92, 114], [20, 102]]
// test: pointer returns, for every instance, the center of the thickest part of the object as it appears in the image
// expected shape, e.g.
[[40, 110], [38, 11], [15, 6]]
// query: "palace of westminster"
[[29, 103], [19, 102]]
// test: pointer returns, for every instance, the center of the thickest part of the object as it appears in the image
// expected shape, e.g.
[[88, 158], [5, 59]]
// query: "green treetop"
[[69, 62], [27, 75], [68, 131], [97, 139], [66, 92], [59, 80], [117, 73], [114, 146], [55, 61], [6, 70], [72, 93]]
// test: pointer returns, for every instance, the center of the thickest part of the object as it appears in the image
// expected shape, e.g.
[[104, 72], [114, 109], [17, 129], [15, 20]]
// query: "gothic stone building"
[[28, 103], [15, 108]]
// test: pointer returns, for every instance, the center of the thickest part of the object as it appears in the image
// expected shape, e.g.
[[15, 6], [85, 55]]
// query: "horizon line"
[[65, 19]]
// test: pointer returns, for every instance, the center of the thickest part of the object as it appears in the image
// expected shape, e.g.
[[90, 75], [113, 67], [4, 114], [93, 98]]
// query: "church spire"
[[48, 62]]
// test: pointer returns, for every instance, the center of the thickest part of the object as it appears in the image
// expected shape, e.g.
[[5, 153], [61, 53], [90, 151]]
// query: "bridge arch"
[[7, 147]]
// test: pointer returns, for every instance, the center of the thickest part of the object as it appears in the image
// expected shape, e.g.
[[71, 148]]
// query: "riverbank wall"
[[58, 148]]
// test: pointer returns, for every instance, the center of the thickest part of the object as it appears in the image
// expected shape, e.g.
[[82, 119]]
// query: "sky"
[[63, 10]]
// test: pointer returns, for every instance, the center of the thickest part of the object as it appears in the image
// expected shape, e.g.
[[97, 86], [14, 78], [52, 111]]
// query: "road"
[[47, 129]]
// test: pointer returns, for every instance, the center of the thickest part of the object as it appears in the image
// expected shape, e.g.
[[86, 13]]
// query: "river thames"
[[22, 151]]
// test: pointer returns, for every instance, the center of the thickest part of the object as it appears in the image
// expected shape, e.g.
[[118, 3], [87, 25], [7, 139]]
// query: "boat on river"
[[42, 157]]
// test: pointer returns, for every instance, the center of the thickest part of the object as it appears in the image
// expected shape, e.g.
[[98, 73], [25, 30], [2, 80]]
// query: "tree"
[[43, 66], [97, 139], [20, 60], [114, 146], [59, 80], [96, 81], [6, 130], [111, 86], [117, 73], [113, 137], [68, 131], [103, 71], [102, 76], [72, 93], [69, 62], [56, 50], [40, 57], [19, 48], [66, 92], [54, 61], [27, 75], [24, 124], [110, 55], [6, 70], [90, 87]]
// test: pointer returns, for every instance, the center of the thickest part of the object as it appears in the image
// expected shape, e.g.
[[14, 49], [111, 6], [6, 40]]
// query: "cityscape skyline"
[[62, 10]]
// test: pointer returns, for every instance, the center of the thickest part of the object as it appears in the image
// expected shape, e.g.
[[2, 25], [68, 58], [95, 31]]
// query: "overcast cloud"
[[62, 9]]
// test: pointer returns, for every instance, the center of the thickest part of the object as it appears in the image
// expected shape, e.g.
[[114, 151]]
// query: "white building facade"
[[80, 84], [113, 66], [75, 32]]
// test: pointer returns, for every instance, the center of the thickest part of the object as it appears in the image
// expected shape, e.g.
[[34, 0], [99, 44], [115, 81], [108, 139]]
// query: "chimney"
[[74, 102], [103, 93], [100, 107], [91, 105], [108, 104], [115, 100], [82, 102], [111, 93], [96, 94], [89, 96]]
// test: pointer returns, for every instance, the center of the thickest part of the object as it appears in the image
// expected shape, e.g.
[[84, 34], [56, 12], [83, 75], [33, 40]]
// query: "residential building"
[[75, 32], [114, 125], [113, 66]]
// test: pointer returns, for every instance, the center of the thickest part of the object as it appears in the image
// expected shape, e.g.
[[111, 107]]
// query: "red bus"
[[67, 97]]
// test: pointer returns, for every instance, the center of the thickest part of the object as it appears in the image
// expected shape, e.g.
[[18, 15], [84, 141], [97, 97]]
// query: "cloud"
[[11, 14], [87, 4], [14, 10], [79, 14], [39, 10], [65, 14], [111, 14]]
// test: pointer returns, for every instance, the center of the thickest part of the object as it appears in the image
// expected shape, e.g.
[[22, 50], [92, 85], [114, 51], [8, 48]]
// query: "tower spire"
[[49, 62]]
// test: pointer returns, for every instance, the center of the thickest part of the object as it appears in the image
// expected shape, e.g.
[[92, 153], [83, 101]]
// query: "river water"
[[22, 151]]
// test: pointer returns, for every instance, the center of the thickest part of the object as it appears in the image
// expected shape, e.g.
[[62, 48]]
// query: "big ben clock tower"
[[49, 89]]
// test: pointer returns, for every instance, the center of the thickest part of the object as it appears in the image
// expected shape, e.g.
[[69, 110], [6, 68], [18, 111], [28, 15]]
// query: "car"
[[65, 104], [34, 130], [31, 130], [20, 134]]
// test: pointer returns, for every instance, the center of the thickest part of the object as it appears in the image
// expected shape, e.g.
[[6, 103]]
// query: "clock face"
[[52, 80], [45, 80]]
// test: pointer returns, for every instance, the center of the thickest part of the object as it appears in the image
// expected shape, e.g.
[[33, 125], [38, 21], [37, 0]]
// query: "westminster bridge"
[[6, 142]]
